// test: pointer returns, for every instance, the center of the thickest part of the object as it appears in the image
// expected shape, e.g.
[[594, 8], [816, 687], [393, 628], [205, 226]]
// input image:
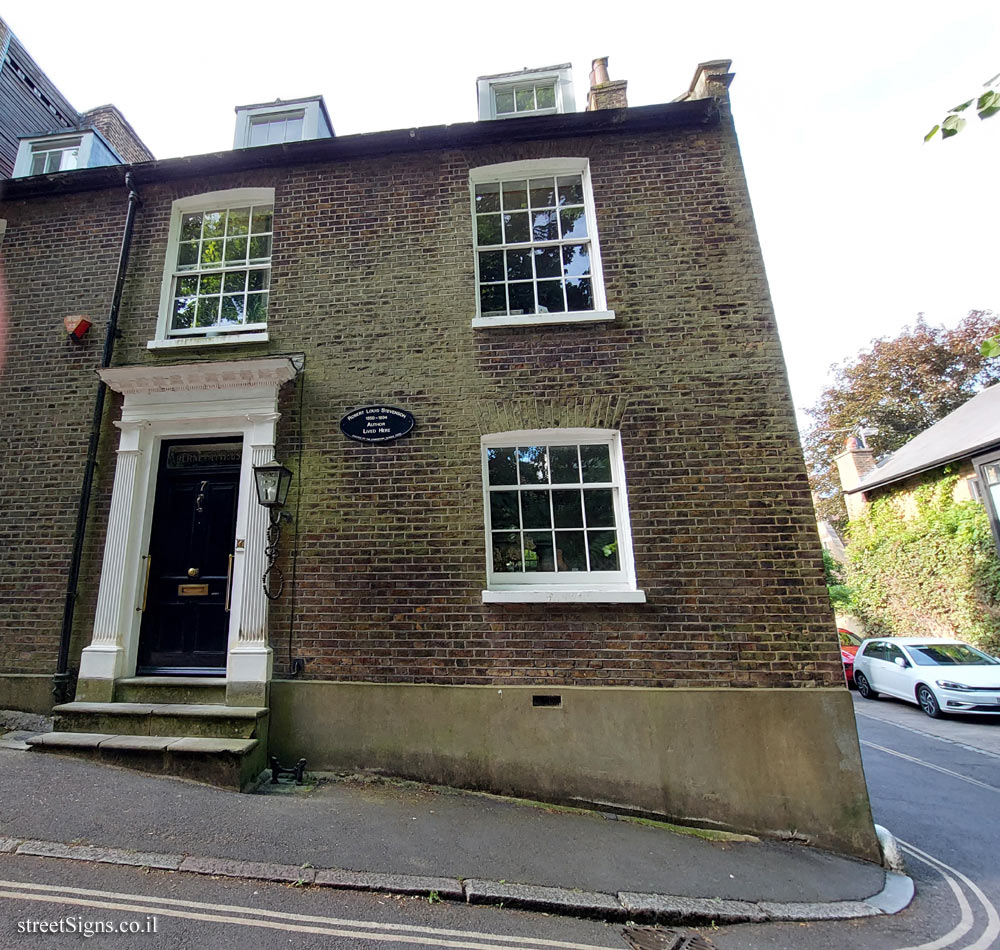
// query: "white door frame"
[[193, 400]]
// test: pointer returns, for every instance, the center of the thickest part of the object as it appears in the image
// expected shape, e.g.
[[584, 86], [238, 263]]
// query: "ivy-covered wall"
[[923, 564]]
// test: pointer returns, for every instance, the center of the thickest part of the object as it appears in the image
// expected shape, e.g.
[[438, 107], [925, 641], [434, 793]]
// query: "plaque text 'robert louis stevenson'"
[[376, 424]]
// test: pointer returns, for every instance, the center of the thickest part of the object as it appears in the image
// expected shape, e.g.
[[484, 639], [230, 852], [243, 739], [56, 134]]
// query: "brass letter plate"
[[192, 590]]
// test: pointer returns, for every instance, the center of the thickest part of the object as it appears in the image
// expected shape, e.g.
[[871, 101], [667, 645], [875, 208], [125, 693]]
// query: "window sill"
[[193, 342], [564, 597], [544, 319]]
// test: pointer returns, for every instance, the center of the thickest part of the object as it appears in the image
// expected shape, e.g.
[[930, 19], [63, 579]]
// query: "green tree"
[[987, 105], [899, 386]]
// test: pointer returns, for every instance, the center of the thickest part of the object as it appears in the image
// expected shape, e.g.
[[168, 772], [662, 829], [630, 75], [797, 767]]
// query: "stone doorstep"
[[663, 908], [197, 710], [172, 744]]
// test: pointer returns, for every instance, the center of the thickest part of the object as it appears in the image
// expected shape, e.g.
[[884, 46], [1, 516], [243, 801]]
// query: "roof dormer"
[[290, 120], [545, 91], [62, 151]]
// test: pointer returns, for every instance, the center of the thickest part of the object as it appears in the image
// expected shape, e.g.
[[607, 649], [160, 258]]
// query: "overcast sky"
[[863, 226]]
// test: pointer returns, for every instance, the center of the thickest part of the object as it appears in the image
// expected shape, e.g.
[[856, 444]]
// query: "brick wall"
[[113, 126], [373, 280]]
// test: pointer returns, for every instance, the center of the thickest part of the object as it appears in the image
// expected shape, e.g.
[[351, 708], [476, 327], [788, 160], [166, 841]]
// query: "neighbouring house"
[[547, 530], [924, 567]]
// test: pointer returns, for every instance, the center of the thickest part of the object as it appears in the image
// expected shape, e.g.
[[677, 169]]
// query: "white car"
[[940, 676]]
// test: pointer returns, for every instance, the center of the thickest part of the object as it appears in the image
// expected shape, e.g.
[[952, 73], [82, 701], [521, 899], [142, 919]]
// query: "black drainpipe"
[[62, 681]]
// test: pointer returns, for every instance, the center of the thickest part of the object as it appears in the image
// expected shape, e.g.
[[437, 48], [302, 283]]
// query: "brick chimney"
[[605, 93], [853, 464]]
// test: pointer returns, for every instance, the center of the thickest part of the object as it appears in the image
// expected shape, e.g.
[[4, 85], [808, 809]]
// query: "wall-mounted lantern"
[[272, 480]]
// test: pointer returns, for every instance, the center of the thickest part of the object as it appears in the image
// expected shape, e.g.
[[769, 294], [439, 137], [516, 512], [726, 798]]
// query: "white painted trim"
[[25, 153], [543, 167], [313, 124], [209, 200], [606, 583], [544, 319], [209, 399], [194, 342], [564, 597]]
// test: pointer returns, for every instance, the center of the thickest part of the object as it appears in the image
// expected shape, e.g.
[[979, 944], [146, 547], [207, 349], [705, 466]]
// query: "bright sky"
[[863, 226]]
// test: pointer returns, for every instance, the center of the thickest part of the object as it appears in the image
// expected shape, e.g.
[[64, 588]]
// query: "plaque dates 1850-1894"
[[376, 424]]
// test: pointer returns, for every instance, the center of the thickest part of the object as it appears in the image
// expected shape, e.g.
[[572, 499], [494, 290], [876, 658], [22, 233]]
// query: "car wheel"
[[864, 687], [928, 701]]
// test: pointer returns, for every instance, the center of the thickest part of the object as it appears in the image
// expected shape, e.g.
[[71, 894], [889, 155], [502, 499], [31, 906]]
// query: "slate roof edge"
[[969, 452], [697, 113]]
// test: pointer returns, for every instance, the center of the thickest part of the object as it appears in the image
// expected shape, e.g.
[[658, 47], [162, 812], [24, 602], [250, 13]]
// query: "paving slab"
[[70, 740], [208, 744], [138, 743], [391, 883]]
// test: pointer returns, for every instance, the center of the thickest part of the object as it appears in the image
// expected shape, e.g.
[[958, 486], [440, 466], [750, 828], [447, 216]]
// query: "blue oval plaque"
[[376, 424]]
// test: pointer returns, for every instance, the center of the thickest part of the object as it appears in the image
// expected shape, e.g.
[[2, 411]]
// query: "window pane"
[[545, 97], [210, 284], [184, 309], [515, 227], [504, 101], [603, 547], [515, 195], [535, 511], [256, 308], [490, 265], [208, 311], [600, 507], [492, 300], [190, 227], [573, 222], [570, 552], [543, 226], [214, 223], [596, 461], [293, 130], [579, 293], [570, 190], [501, 466], [566, 508], [259, 280], [507, 552], [235, 282], [233, 309], [519, 265], [524, 99], [488, 197], [261, 220], [565, 464], [187, 255], [52, 162], [503, 510], [521, 298], [547, 262], [211, 254], [187, 286], [531, 460], [488, 230], [550, 296], [69, 159], [576, 260], [239, 221], [38, 163], [236, 250], [538, 551], [258, 133], [260, 248], [543, 192]]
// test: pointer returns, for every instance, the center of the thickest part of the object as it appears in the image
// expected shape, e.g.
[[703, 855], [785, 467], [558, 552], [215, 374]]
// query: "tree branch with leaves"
[[987, 105]]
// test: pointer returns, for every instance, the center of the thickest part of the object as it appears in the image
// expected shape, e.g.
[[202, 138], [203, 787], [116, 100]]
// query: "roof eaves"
[[923, 467]]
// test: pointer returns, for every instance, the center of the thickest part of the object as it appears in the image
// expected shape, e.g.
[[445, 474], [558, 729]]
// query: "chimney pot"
[[599, 72], [604, 92]]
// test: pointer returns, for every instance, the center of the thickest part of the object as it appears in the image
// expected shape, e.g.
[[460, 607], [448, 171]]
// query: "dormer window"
[[63, 151], [270, 123], [55, 155], [528, 92]]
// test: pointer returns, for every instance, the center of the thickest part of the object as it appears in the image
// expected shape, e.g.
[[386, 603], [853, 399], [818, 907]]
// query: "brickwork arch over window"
[[557, 525], [535, 234], [217, 275]]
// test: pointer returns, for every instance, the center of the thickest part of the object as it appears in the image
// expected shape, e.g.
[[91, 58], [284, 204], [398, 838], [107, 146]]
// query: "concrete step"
[[229, 763], [196, 720], [171, 689]]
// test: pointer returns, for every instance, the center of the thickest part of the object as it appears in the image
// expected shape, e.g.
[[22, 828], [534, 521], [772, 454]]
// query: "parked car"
[[940, 676], [849, 643]]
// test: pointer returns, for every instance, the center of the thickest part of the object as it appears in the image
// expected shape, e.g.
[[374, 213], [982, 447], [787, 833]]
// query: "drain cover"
[[652, 938]]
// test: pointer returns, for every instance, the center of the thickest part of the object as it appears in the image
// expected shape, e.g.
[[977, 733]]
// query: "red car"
[[849, 643]]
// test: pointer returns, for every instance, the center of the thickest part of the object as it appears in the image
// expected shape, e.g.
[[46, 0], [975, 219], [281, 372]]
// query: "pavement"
[[368, 832]]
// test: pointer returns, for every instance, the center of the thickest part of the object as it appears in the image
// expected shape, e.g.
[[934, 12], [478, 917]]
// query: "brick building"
[[589, 573]]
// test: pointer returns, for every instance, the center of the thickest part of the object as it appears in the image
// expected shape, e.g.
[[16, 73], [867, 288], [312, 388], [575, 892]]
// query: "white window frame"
[[208, 201], [313, 124], [541, 168], [571, 586], [27, 149], [562, 76]]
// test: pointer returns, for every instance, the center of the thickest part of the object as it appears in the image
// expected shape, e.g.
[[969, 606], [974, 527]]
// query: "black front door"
[[185, 621]]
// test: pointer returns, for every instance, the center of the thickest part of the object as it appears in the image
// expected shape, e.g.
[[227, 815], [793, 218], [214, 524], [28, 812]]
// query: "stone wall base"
[[27, 692]]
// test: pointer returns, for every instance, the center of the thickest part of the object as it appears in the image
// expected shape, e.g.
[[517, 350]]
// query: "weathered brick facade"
[[373, 281]]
